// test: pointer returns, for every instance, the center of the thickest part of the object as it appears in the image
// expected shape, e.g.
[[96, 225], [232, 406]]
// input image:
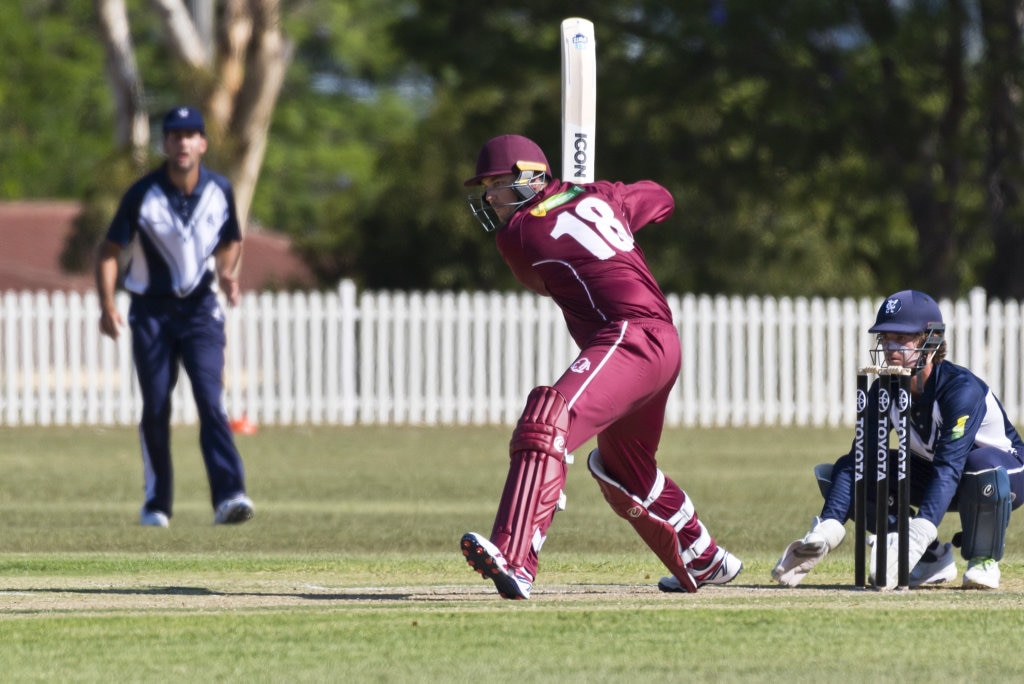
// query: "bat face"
[[579, 99]]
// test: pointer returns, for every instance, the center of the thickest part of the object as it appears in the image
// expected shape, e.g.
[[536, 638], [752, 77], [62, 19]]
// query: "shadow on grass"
[[203, 591]]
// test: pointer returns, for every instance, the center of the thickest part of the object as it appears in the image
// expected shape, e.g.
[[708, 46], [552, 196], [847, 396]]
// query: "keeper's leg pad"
[[536, 478], [984, 503], [659, 534]]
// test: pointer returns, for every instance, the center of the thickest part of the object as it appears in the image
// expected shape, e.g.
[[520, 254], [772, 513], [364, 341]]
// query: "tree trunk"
[[131, 128], [237, 85], [254, 60]]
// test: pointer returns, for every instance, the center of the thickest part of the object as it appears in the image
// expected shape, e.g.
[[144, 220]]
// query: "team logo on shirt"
[[581, 365], [958, 429]]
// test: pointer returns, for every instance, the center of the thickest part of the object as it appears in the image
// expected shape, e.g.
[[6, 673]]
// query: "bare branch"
[[267, 61], [235, 36], [182, 34], [132, 124]]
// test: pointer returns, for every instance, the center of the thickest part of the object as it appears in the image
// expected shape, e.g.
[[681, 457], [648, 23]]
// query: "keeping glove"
[[921, 533]]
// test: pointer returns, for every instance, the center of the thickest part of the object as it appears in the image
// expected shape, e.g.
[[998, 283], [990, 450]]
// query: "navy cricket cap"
[[507, 154], [908, 311], [184, 119]]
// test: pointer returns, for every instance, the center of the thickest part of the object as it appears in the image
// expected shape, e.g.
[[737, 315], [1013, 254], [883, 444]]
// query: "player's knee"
[[544, 424], [823, 476]]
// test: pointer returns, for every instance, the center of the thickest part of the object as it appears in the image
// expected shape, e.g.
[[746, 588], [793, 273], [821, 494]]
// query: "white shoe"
[[484, 557], [982, 573], [803, 554], [722, 569], [153, 518], [936, 566], [233, 511]]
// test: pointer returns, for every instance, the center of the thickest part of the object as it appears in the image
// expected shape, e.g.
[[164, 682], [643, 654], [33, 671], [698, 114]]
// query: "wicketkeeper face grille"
[[908, 350]]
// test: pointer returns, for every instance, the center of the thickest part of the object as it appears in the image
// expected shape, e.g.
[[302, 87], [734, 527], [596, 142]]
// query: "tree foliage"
[[54, 103], [841, 147], [825, 148]]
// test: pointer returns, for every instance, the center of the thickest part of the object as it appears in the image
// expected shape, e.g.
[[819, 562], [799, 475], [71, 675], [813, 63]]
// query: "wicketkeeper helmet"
[[909, 312]]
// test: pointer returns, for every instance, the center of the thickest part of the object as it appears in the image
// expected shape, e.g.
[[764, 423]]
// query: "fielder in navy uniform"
[[574, 243], [965, 456], [180, 226]]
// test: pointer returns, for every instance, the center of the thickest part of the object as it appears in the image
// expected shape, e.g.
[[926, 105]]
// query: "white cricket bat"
[[579, 99]]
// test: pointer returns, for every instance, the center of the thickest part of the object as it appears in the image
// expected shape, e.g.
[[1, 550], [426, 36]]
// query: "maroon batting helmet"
[[508, 154]]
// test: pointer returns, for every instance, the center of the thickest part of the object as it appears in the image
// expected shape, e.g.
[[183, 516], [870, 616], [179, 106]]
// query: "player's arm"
[[228, 251], [226, 258], [645, 202], [962, 407], [106, 284]]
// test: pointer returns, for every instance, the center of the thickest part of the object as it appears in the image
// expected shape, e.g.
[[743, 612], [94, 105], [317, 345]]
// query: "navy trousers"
[[166, 332]]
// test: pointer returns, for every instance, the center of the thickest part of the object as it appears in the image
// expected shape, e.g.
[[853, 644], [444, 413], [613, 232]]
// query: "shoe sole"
[[934, 579], [669, 586], [238, 514], [481, 561]]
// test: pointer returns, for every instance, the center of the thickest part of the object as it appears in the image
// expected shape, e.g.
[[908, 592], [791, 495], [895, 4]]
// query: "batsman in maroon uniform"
[[574, 243]]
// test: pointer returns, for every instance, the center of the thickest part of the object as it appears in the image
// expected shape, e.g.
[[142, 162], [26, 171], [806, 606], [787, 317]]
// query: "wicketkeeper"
[[965, 456], [574, 243]]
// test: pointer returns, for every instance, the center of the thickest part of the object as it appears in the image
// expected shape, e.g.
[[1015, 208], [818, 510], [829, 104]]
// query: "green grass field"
[[351, 571]]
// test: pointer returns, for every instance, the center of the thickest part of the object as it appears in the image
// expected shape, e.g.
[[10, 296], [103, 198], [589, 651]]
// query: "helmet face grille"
[[931, 340], [524, 187], [483, 212]]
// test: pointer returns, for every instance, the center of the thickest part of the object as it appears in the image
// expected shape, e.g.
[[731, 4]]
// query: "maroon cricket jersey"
[[575, 244]]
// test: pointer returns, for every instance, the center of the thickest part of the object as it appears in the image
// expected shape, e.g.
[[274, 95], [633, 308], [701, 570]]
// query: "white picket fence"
[[440, 358]]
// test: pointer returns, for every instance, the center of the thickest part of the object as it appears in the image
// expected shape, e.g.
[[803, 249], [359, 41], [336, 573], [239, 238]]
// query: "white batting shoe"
[[803, 554], [982, 573], [484, 557], [234, 511], [722, 569], [149, 518], [936, 566]]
